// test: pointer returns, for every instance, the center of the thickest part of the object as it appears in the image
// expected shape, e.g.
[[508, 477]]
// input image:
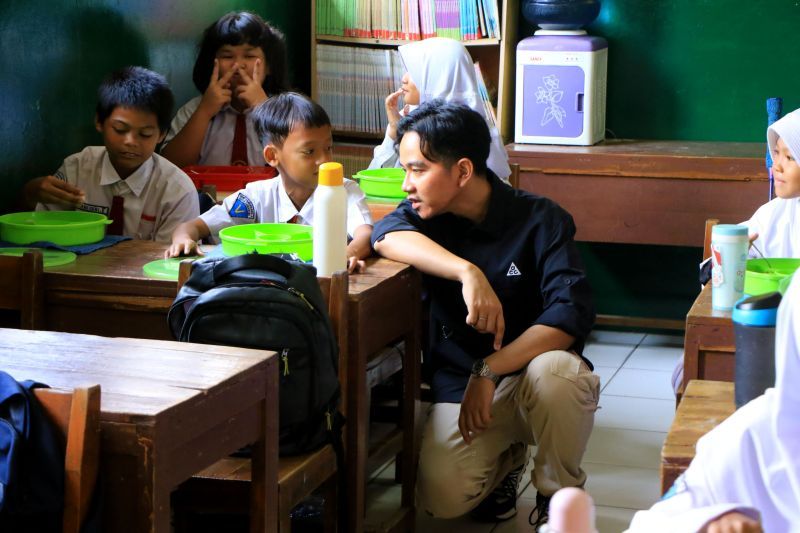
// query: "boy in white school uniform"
[[144, 195], [296, 133], [776, 224]]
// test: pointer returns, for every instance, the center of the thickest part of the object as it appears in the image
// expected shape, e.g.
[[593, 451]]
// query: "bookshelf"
[[495, 55]]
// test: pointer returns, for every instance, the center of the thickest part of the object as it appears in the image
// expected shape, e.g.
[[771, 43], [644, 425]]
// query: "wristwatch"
[[481, 370]]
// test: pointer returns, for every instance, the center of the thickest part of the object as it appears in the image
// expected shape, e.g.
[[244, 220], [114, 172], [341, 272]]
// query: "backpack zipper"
[[301, 296], [329, 420], [285, 359]]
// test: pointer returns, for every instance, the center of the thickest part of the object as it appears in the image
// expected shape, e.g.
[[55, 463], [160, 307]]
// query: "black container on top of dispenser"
[[754, 327]]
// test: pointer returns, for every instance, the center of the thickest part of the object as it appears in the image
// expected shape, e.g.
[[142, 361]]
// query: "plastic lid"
[[733, 230], [759, 311], [50, 258], [331, 174]]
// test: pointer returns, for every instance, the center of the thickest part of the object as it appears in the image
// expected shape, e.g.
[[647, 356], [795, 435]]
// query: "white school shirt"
[[778, 226], [750, 463], [267, 201], [218, 142], [158, 196]]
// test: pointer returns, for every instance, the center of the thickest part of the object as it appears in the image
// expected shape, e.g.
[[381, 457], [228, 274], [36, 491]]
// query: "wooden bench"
[[704, 406]]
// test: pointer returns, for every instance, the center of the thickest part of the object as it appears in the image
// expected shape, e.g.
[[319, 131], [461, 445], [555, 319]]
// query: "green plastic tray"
[[164, 268], [50, 258], [272, 238], [762, 277], [65, 228], [382, 182]]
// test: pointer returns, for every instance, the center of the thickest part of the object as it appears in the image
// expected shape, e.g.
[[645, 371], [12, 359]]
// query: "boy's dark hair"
[[275, 118], [448, 132], [243, 27], [138, 88]]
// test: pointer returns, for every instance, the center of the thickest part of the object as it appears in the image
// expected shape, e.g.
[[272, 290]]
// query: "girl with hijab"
[[746, 473], [437, 68], [777, 223]]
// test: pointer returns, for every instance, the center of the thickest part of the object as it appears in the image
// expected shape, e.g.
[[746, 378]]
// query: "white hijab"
[[751, 462], [442, 68]]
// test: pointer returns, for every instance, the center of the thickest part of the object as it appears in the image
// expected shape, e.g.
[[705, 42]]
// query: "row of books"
[[353, 82], [409, 20]]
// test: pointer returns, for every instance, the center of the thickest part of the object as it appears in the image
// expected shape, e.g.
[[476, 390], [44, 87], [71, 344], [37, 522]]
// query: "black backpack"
[[265, 302]]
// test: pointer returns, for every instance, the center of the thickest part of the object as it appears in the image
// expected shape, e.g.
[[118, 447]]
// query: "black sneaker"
[[541, 513], [501, 503]]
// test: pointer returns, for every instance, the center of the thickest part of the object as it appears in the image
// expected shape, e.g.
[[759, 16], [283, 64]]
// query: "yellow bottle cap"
[[331, 174]]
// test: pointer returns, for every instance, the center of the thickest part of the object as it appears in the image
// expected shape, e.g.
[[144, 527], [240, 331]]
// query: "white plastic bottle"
[[330, 220]]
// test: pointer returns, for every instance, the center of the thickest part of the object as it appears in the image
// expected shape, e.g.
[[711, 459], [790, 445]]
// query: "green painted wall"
[[694, 70], [697, 69], [54, 53]]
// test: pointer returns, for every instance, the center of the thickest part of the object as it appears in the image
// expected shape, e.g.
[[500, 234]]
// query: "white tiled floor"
[[622, 458]]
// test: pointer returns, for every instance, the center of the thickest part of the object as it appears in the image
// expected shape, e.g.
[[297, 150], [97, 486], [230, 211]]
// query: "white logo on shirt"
[[513, 270]]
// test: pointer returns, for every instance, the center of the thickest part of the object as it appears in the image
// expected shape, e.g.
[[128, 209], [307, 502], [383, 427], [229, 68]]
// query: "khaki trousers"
[[550, 404]]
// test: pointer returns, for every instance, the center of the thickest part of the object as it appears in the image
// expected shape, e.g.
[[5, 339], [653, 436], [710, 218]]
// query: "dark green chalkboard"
[[54, 53], [697, 69]]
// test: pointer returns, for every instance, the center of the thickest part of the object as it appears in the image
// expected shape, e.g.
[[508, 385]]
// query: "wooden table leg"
[[356, 430], [411, 384], [264, 487]]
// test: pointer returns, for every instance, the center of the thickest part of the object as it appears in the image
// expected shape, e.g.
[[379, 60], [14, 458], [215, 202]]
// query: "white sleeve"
[[181, 118], [689, 504], [759, 223], [384, 155], [67, 172], [358, 213], [237, 208]]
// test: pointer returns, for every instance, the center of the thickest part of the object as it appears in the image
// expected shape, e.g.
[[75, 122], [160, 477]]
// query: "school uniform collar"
[[286, 209], [136, 182], [228, 108]]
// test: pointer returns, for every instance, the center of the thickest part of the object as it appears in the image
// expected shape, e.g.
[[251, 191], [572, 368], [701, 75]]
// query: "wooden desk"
[[709, 345], [646, 192], [107, 293], [704, 406], [168, 410]]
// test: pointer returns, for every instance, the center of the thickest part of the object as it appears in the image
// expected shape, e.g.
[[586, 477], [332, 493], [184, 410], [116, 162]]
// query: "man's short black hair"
[[275, 118], [137, 88], [243, 27], [448, 132]]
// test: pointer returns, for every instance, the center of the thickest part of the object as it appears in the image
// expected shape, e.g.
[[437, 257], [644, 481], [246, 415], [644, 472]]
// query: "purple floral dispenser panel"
[[553, 101]]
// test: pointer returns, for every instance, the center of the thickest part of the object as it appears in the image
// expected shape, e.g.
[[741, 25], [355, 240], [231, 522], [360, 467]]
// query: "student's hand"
[[484, 310], [51, 190], [181, 247], [733, 523], [392, 113], [476, 407], [251, 93], [219, 91], [354, 264]]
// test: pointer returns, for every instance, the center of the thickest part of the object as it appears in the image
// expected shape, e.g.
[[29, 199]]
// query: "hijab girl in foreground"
[[437, 68], [746, 474]]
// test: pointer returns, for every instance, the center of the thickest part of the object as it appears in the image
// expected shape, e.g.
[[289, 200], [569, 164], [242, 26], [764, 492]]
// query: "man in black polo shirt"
[[510, 310]]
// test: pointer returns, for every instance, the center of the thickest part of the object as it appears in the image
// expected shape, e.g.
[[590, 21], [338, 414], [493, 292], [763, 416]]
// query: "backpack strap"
[[232, 265]]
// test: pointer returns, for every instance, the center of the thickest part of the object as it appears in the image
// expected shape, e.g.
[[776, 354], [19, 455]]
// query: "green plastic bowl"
[[273, 238], [761, 278], [382, 182], [65, 228]]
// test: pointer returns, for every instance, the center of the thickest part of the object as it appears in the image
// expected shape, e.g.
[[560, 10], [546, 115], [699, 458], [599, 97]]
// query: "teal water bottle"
[[729, 245]]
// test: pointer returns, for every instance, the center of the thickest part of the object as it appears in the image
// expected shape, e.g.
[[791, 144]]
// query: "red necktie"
[[117, 216], [239, 149], [293, 220]]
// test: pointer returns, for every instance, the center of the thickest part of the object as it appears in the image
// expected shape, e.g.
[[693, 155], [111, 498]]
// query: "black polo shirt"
[[525, 248]]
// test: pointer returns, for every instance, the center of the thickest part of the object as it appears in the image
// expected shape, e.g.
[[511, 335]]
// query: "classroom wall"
[[697, 69], [54, 53], [692, 70]]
